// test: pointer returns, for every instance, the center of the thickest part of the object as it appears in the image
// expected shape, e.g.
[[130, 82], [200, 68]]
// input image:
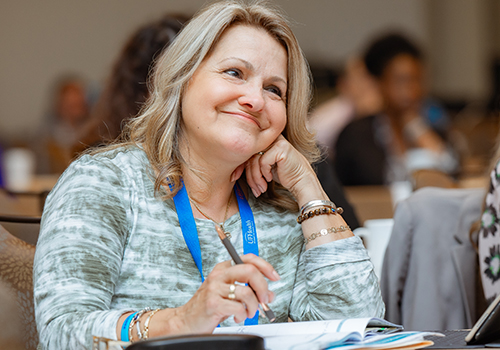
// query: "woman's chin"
[[243, 150]]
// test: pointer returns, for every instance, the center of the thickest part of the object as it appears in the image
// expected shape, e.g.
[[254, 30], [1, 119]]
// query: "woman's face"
[[402, 83], [235, 103]]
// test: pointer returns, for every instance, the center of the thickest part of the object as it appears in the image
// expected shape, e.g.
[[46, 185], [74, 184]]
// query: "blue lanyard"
[[190, 232]]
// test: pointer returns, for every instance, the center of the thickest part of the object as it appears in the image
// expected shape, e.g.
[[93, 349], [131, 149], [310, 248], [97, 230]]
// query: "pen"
[[237, 260]]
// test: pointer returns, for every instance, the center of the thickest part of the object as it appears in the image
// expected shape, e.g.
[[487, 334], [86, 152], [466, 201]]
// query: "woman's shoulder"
[[119, 155], [121, 164], [122, 159]]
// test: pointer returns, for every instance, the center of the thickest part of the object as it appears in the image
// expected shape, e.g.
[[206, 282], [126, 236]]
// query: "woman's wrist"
[[167, 322], [309, 190]]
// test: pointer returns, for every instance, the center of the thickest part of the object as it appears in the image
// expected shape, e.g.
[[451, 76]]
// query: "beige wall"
[[461, 47], [43, 39]]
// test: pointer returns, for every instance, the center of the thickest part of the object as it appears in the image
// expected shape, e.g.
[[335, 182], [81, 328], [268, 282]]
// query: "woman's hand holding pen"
[[211, 305]]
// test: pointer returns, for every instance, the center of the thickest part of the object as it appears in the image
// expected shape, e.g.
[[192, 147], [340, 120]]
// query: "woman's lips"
[[246, 116]]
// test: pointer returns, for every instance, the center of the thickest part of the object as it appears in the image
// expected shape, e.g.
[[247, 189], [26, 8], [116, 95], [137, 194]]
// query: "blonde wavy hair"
[[157, 128]]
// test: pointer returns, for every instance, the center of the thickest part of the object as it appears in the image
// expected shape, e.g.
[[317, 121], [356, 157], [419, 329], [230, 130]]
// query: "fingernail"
[[255, 193], [275, 274], [261, 189], [233, 175], [266, 299], [270, 296]]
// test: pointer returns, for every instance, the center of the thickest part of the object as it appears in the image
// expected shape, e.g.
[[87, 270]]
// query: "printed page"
[[354, 325], [342, 334], [347, 341]]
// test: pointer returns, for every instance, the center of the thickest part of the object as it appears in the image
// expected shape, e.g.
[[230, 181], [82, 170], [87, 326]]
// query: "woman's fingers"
[[241, 295], [254, 177], [264, 267], [241, 300], [282, 163], [237, 173]]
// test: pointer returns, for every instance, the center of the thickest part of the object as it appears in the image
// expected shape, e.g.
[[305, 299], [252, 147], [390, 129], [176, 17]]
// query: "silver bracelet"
[[317, 203], [326, 231], [135, 321]]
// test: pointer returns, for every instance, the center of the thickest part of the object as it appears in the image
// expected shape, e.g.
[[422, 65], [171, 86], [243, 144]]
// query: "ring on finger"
[[232, 289]]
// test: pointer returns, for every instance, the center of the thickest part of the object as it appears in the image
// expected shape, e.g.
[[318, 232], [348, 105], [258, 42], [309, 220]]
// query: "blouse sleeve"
[[78, 257], [336, 280]]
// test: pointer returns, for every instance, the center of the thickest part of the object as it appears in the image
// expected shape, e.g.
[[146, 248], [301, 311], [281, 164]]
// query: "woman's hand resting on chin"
[[282, 163]]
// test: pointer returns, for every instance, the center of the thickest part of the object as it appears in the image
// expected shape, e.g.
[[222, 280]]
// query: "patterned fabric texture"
[[489, 239], [16, 266], [107, 246]]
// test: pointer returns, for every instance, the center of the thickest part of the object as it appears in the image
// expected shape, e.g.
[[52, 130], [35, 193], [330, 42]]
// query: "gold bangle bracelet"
[[325, 232], [145, 333]]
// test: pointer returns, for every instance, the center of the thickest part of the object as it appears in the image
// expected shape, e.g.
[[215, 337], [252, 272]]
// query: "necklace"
[[221, 225]]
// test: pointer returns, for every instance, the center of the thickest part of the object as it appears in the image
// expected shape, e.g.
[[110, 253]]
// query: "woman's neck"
[[210, 186]]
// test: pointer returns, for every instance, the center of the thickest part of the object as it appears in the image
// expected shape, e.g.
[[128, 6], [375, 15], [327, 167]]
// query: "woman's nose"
[[252, 97]]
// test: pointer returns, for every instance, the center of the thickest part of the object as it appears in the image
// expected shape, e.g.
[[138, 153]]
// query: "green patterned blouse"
[[107, 246]]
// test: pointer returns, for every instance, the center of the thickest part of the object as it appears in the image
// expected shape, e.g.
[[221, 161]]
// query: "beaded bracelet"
[[145, 333], [125, 326], [318, 211], [325, 232]]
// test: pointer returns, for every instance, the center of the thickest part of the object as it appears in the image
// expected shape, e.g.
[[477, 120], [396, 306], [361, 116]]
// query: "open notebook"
[[355, 333]]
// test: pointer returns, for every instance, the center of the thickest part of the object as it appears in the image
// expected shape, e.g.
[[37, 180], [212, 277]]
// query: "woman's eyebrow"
[[250, 66]]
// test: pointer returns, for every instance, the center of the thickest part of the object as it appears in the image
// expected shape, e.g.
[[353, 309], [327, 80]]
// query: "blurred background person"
[[126, 89], [63, 125], [407, 135], [357, 96]]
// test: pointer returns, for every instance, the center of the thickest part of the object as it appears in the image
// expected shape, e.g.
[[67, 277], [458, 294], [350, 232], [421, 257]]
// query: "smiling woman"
[[128, 248]]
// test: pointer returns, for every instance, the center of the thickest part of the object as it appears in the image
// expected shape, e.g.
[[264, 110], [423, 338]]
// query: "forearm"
[[336, 280], [75, 329]]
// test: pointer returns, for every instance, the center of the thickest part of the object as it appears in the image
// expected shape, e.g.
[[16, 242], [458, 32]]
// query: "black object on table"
[[202, 342]]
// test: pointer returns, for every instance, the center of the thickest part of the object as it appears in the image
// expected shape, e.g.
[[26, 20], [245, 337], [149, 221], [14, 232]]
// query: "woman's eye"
[[275, 90], [233, 72]]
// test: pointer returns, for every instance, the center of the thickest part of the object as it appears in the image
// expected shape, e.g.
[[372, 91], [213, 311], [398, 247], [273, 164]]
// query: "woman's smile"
[[247, 117]]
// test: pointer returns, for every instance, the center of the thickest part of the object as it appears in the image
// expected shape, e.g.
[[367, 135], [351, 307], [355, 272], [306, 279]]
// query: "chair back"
[[20, 213], [432, 178], [16, 272], [429, 272]]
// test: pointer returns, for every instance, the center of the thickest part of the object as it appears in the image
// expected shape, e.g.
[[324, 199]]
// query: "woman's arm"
[[335, 277], [83, 234], [335, 281]]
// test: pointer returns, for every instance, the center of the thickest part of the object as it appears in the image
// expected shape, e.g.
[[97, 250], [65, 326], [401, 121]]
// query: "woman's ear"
[[237, 172]]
